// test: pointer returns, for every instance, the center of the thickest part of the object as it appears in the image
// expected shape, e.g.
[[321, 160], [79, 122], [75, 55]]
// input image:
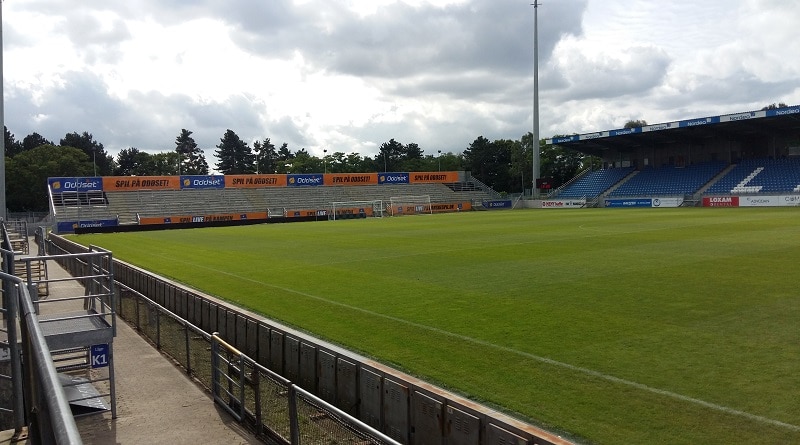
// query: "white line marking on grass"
[[538, 358]]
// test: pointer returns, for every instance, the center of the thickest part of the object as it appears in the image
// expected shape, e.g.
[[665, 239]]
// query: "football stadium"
[[649, 301]]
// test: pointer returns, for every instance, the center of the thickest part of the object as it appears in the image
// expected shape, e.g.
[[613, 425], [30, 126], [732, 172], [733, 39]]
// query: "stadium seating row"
[[128, 206], [751, 176]]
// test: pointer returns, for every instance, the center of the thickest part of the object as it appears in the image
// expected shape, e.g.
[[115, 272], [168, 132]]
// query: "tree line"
[[504, 165]]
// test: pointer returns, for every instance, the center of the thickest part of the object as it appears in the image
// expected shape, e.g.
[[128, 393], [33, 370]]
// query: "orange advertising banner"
[[423, 177], [451, 207], [350, 178], [182, 219], [130, 183], [254, 181]]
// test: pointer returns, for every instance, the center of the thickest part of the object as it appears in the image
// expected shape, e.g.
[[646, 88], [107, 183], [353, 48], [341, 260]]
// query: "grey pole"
[[3, 121], [535, 141]]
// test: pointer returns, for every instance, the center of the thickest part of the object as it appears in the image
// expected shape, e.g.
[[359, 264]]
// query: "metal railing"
[[274, 408], [247, 391], [39, 399]]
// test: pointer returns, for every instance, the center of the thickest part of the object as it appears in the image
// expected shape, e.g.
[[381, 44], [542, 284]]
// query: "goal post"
[[410, 205], [356, 209]]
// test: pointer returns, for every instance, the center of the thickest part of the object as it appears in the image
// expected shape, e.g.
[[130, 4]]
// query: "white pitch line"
[[549, 361]]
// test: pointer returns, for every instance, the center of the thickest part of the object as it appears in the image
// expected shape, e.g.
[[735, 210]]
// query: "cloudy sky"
[[348, 75]]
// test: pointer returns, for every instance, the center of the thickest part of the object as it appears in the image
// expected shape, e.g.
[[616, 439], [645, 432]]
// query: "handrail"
[[47, 407], [293, 391], [62, 425]]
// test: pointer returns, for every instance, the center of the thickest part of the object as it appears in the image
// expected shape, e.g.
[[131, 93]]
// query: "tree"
[[86, 143], [266, 156], [34, 140], [303, 162], [163, 164], [285, 157], [413, 158], [191, 159], [775, 106], [235, 156], [12, 146], [133, 162], [635, 123], [561, 164], [27, 191], [489, 162], [392, 154]]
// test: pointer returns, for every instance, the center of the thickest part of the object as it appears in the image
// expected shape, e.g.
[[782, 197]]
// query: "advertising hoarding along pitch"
[[306, 180], [351, 179], [58, 185], [254, 181], [203, 182], [131, 183]]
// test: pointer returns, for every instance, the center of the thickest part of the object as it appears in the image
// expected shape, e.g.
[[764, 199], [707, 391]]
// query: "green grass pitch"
[[613, 326]]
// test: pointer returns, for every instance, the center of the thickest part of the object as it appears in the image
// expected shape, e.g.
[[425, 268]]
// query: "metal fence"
[[38, 401], [326, 380], [274, 408]]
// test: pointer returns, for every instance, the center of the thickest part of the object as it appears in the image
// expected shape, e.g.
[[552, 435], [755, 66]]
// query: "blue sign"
[[58, 185], [629, 202], [70, 226], [784, 111], [203, 182], [625, 131], [100, 355], [393, 178], [307, 180], [506, 204], [562, 139]]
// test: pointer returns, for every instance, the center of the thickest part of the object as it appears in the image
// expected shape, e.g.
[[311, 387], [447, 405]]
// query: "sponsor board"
[[254, 181], [500, 204], [75, 184], [305, 180], [638, 202], [306, 213], [337, 179], [198, 219], [202, 182], [752, 201], [645, 202], [667, 202], [563, 203], [721, 201], [129, 183], [70, 226], [432, 177], [451, 207], [769, 201], [393, 178]]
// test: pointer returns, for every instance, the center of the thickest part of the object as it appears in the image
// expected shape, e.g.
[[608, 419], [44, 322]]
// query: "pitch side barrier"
[[399, 406]]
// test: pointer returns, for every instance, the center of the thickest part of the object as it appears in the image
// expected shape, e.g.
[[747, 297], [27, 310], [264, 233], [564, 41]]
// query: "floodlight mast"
[[535, 136]]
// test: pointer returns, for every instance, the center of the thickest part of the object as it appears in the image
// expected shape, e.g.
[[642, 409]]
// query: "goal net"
[[356, 209], [410, 205]]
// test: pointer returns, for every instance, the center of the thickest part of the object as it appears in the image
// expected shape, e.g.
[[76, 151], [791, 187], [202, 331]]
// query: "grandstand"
[[669, 181], [591, 184], [113, 201], [760, 176], [692, 162]]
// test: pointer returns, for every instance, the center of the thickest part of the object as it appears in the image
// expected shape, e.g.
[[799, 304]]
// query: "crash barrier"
[[403, 408]]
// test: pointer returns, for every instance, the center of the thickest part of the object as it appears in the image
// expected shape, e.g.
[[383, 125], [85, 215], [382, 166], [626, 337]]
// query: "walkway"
[[156, 401]]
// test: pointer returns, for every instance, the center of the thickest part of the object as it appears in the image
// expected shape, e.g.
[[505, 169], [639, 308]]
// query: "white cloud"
[[347, 75]]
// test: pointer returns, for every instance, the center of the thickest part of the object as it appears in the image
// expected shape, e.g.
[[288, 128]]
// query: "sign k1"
[[100, 355]]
